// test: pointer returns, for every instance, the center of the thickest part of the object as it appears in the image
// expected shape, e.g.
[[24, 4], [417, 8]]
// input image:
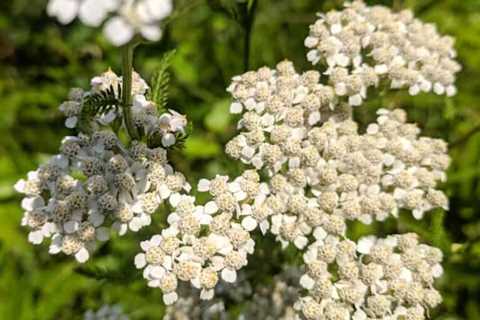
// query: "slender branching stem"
[[251, 8], [460, 141], [127, 69]]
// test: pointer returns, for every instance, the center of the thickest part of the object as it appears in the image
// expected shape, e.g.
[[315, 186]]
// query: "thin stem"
[[248, 26], [127, 69], [466, 137]]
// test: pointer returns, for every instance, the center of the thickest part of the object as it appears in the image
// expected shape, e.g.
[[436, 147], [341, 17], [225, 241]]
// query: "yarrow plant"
[[311, 170]]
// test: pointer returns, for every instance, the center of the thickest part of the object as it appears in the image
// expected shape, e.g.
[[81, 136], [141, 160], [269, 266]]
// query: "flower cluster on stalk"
[[96, 182]]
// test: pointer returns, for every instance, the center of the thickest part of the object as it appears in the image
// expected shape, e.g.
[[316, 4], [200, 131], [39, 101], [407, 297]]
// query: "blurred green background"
[[40, 60]]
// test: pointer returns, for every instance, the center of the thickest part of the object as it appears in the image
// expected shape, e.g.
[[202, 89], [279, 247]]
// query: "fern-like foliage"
[[100, 103], [160, 82]]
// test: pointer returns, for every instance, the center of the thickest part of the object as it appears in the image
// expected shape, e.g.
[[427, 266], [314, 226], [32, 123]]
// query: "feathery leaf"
[[160, 82]]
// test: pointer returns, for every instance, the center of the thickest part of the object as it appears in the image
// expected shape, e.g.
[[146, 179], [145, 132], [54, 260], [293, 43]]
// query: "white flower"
[[122, 19], [141, 17], [64, 10], [113, 312], [118, 31]]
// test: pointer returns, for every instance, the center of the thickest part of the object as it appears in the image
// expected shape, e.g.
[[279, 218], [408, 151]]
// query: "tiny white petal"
[[140, 261], [203, 185], [249, 223], [437, 270], [236, 108], [20, 186], [71, 122], [157, 272], [170, 298], [118, 31], [207, 294], [300, 242], [307, 282], [135, 224], [103, 234], [35, 237], [365, 244], [152, 33], [70, 226], [211, 207], [229, 275], [319, 233], [82, 255], [311, 42], [91, 13], [168, 140]]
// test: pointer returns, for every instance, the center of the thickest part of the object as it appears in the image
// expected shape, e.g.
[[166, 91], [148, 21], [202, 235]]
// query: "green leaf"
[[160, 82], [99, 103]]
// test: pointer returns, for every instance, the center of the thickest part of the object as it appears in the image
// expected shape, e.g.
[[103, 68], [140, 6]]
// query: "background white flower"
[[122, 19]]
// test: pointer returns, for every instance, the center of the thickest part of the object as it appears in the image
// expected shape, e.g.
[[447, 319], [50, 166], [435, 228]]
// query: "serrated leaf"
[[99, 103], [160, 82]]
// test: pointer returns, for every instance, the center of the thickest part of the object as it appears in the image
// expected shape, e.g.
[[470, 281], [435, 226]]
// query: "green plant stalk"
[[251, 8], [127, 69]]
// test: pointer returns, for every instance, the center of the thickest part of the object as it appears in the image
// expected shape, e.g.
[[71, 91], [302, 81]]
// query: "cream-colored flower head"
[[361, 46], [375, 278], [204, 244]]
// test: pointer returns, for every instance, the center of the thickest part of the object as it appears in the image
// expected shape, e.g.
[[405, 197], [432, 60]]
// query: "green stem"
[[127, 69], [248, 26]]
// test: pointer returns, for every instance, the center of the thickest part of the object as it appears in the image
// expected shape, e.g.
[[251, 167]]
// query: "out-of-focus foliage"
[[40, 60]]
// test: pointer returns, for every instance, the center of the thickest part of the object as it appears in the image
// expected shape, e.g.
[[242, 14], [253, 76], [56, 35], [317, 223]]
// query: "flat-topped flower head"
[[278, 107], [361, 46], [121, 19], [77, 196], [204, 244], [334, 173], [269, 302], [374, 278]]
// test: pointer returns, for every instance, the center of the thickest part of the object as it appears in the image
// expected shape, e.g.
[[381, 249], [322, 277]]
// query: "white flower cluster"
[[278, 108], [362, 45], [106, 312], [191, 307], [124, 18], [203, 243], [312, 170], [275, 301], [266, 302], [388, 279], [144, 112], [95, 182], [324, 173]]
